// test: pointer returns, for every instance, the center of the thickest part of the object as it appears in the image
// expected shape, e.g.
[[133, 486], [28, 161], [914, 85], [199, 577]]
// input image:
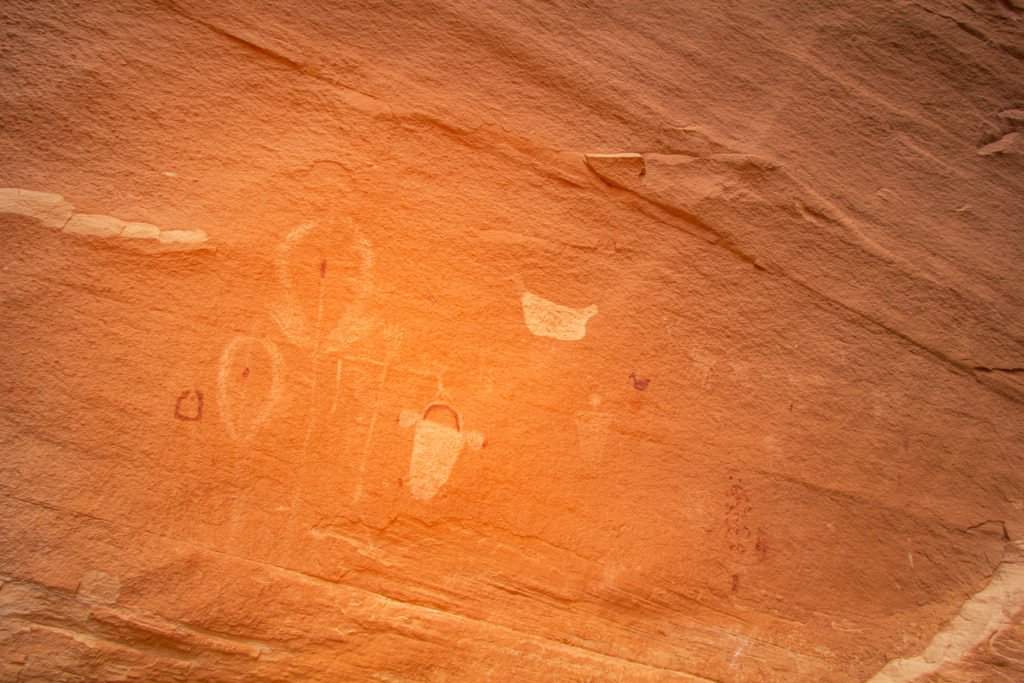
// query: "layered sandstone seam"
[[53, 211]]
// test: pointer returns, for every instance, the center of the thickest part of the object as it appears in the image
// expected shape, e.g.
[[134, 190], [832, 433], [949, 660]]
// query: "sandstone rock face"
[[513, 341]]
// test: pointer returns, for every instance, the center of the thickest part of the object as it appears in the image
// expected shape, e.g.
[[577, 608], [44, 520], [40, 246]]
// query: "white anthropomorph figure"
[[435, 447]]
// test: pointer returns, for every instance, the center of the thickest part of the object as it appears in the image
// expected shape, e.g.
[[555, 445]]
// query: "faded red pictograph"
[[189, 410]]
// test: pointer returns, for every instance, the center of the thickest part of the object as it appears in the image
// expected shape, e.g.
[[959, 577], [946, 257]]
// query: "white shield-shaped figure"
[[435, 447]]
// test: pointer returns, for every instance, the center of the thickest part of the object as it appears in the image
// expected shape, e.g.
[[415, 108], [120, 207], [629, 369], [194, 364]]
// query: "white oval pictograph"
[[323, 267], [435, 447], [248, 385]]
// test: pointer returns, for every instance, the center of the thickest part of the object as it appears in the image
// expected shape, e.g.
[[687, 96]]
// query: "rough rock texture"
[[511, 341]]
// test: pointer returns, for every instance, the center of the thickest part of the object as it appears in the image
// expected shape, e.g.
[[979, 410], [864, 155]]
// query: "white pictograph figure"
[[592, 430], [341, 259], [547, 319], [393, 335], [325, 271], [248, 386], [435, 447]]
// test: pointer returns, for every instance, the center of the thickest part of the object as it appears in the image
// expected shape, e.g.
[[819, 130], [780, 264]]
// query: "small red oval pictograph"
[[189, 413]]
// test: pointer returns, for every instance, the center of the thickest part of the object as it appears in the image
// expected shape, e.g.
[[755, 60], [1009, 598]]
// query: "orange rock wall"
[[534, 342]]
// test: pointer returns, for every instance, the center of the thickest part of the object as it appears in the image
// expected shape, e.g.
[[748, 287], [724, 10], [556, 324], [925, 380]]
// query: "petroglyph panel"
[[786, 448]]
